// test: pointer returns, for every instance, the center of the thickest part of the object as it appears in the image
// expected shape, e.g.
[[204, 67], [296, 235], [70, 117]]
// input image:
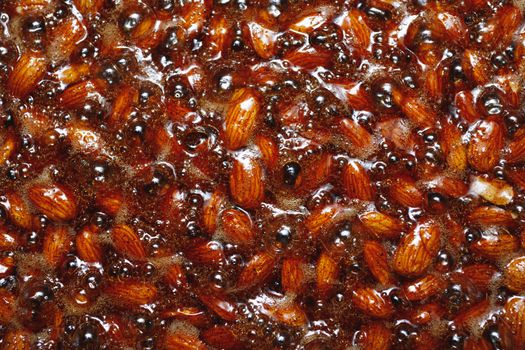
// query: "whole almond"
[[375, 257], [494, 191], [356, 134], [205, 252], [64, 38], [128, 242], [193, 315], [76, 95], [220, 305], [88, 7], [219, 37], [241, 118], [290, 314], [54, 200], [357, 182], [269, 151], [516, 148], [246, 182], [210, 211], [18, 211], [182, 341], [356, 30], [123, 105], [293, 278], [57, 243], [261, 37], [222, 337], [512, 325], [480, 275], [175, 276], [495, 244], [454, 148], [417, 249], [424, 287], [375, 336], [319, 220], [492, 216], [88, 246], [7, 148], [131, 293], [372, 303], [257, 270], [27, 73], [485, 145], [404, 191], [381, 225], [327, 273], [238, 226], [515, 274]]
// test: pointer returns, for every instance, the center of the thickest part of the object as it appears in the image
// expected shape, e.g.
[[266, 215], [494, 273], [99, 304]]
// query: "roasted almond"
[[222, 337], [381, 225], [238, 226], [257, 270], [375, 336], [375, 257], [205, 252], [18, 210], [246, 181], [88, 246], [54, 200], [515, 274], [372, 303], [494, 191], [404, 191], [57, 243], [182, 341], [131, 293], [127, 242], [241, 118], [512, 326], [293, 277], [327, 272], [27, 73], [220, 305], [485, 145], [492, 216], [424, 287], [417, 249], [357, 182], [495, 244]]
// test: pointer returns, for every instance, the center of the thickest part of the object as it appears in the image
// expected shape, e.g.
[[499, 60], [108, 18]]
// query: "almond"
[[466, 317], [372, 303], [357, 182], [418, 112], [181, 341], [293, 278], [454, 148], [57, 243], [241, 118], [417, 249], [131, 293], [222, 337], [205, 252], [175, 276], [17, 340], [492, 216], [424, 287], [210, 211], [375, 257], [427, 313], [123, 105], [466, 107], [192, 315], [355, 29], [257, 270], [355, 133], [495, 244], [515, 274], [381, 225], [238, 227], [220, 305], [321, 169], [55, 201], [219, 37], [404, 191], [289, 314], [327, 272], [308, 58], [319, 220], [375, 336], [8, 240], [27, 73], [262, 38], [512, 325], [88, 7], [194, 14], [476, 66], [516, 148], [311, 19], [127, 242], [147, 34], [88, 246], [18, 211], [76, 95], [485, 145], [480, 275], [109, 201], [246, 182], [517, 177], [65, 37], [7, 148], [508, 17]]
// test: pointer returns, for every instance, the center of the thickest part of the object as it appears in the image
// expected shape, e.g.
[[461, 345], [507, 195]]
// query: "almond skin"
[[319, 220], [485, 145], [290, 314], [241, 118], [76, 95], [357, 182], [131, 293], [193, 315], [495, 244], [127, 242], [512, 326], [516, 148], [18, 211], [293, 278], [57, 242], [181, 341], [381, 225], [257, 270], [375, 256], [27, 73], [424, 287], [222, 337], [375, 336], [238, 227], [220, 305], [492, 216], [356, 30], [246, 182], [515, 274], [88, 246], [405, 192], [205, 252], [417, 249], [54, 200], [355, 133], [175, 276], [372, 303], [210, 212], [480, 275], [327, 272]]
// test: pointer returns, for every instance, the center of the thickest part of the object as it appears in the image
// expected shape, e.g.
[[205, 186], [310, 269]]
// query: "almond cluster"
[[262, 174]]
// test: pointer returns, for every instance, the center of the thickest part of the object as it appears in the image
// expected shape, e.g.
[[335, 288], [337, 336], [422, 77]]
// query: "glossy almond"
[[357, 182], [516, 148], [512, 326], [355, 29], [7, 148], [220, 305], [88, 246], [246, 182], [222, 337], [88, 7], [210, 212], [205, 252], [65, 37], [238, 226], [319, 220], [454, 148], [123, 105], [262, 38], [241, 118], [495, 244], [417, 249], [182, 341], [375, 257], [424, 287], [290, 314], [18, 210], [131, 293], [27, 73], [372, 303], [514, 274], [176, 276], [404, 191], [485, 145], [355, 133], [381, 225], [54, 200], [480, 275], [375, 336], [57, 242], [494, 191], [257, 270], [492, 216], [76, 95], [127, 242], [293, 277], [219, 37], [327, 273]]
